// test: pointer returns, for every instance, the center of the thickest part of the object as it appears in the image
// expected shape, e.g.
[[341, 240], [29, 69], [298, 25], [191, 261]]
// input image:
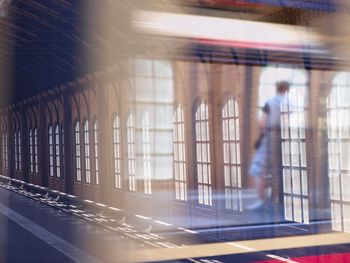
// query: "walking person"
[[267, 159]]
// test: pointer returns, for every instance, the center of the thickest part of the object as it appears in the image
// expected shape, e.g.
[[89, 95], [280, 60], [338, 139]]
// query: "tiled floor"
[[36, 231]]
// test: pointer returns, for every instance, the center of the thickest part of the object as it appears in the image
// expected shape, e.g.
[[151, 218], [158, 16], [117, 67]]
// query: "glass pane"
[[305, 211], [287, 181], [346, 213], [295, 153], [345, 155], [288, 208], [297, 209], [285, 153], [336, 217], [304, 182], [345, 186], [285, 126], [296, 181]]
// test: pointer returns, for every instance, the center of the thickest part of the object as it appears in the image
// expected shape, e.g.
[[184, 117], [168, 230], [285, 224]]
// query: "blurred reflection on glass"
[[338, 108]]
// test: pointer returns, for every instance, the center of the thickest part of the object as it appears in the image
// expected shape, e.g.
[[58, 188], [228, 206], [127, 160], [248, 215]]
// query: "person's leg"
[[260, 186]]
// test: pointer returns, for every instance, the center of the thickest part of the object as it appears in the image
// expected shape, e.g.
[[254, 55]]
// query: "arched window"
[[57, 151], [77, 152], [62, 150], [117, 152], [31, 150], [203, 154], [87, 152], [51, 152], [146, 154], [293, 112], [16, 150], [19, 151], [231, 153], [96, 152], [5, 149], [180, 174], [131, 152], [338, 122], [35, 151]]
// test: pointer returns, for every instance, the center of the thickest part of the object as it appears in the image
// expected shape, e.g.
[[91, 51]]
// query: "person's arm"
[[263, 122], [264, 118], [262, 125]]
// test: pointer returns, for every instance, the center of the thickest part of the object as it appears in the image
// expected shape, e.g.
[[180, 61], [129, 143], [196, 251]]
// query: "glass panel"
[[288, 208], [338, 150], [287, 181], [336, 217], [295, 153], [296, 181], [304, 182], [303, 154], [238, 153], [345, 155], [343, 116], [285, 153], [231, 152], [228, 198], [232, 129], [346, 213], [305, 210], [345, 186], [285, 126], [297, 209]]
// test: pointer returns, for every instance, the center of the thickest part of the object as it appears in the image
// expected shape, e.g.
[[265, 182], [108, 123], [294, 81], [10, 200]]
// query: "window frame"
[[57, 151], [294, 174], [77, 152], [338, 135], [87, 152], [96, 151], [203, 154], [117, 160], [179, 155], [146, 154], [231, 150], [51, 145], [5, 149], [131, 154]]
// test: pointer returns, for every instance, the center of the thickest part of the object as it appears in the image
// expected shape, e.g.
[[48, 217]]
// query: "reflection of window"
[[4, 150], [62, 150], [96, 152], [19, 151], [231, 153], [18, 154], [154, 94], [203, 154], [154, 81], [35, 150], [293, 112], [131, 152], [51, 152], [57, 151], [87, 152], [338, 124], [117, 152], [15, 150], [31, 150], [179, 154], [55, 154], [77, 152], [146, 153]]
